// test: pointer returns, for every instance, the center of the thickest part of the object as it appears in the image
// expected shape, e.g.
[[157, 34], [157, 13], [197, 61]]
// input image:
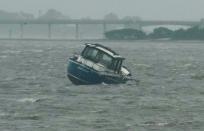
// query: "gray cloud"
[[147, 9]]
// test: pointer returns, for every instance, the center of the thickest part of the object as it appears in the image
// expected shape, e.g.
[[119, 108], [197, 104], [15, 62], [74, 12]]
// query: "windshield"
[[98, 56], [101, 57], [106, 60]]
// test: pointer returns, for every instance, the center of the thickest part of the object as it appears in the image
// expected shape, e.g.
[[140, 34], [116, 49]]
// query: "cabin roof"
[[105, 49]]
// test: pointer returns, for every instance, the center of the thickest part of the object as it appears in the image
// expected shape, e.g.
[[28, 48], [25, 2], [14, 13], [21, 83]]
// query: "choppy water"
[[35, 94]]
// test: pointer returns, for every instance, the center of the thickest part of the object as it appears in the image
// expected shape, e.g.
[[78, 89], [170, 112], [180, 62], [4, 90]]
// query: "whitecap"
[[36, 50], [143, 65], [187, 65], [32, 100], [103, 83], [3, 56], [184, 75], [9, 78], [152, 123], [2, 114], [11, 52], [44, 64], [162, 124]]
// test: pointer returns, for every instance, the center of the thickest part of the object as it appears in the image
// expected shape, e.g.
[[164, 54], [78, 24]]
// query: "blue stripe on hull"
[[81, 74]]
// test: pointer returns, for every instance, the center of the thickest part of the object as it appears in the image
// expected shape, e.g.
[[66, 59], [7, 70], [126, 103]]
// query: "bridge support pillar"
[[201, 25], [139, 27], [104, 30], [77, 32], [22, 30], [49, 31], [10, 34]]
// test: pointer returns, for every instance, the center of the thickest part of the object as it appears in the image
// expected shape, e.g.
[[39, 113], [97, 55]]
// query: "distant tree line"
[[194, 33], [53, 14], [125, 34]]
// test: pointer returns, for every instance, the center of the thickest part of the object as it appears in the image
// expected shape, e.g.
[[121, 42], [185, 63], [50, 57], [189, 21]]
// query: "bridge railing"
[[104, 23]]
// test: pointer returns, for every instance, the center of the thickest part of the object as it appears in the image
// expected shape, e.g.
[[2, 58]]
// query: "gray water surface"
[[35, 94]]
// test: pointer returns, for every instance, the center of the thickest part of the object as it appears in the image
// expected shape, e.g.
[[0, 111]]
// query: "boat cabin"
[[103, 55]]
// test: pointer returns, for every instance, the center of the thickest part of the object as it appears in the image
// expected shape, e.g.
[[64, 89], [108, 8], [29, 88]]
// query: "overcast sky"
[[146, 9]]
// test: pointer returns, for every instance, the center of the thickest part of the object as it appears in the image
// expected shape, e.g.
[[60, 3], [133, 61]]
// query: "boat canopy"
[[103, 55], [105, 50]]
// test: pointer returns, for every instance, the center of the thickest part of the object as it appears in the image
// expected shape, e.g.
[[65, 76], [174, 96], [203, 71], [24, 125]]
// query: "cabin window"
[[116, 65], [98, 56], [106, 60], [84, 52], [90, 53], [119, 66]]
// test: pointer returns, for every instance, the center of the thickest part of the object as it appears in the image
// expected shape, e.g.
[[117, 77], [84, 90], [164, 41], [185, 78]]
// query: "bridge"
[[104, 23]]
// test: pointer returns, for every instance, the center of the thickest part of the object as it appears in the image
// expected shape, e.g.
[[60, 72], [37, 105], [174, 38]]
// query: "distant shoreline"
[[98, 40]]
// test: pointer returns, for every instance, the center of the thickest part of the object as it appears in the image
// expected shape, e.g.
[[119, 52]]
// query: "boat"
[[95, 65]]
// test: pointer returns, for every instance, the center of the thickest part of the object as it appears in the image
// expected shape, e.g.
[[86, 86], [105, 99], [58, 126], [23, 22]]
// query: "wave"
[[30, 100]]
